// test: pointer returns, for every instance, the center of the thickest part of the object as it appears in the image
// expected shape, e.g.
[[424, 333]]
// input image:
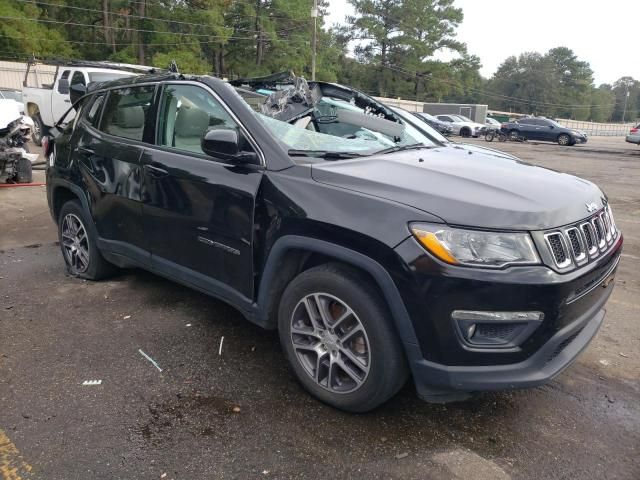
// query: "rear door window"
[[77, 78], [128, 112]]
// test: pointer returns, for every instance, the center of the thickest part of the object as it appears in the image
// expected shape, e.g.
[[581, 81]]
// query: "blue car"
[[544, 129]]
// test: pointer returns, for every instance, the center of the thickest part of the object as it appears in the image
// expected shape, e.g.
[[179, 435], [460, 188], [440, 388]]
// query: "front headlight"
[[476, 248]]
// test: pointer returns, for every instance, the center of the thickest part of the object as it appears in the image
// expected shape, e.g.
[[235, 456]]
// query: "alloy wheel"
[[75, 243], [330, 343]]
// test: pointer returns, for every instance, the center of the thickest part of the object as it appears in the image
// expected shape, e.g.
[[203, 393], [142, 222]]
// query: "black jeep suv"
[[378, 252]]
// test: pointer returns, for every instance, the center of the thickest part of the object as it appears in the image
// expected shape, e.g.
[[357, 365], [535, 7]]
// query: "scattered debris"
[[188, 325], [402, 455], [609, 398], [253, 349], [605, 362], [163, 475], [265, 472], [383, 439], [220, 349], [236, 409], [623, 355], [92, 382], [127, 317], [153, 362]]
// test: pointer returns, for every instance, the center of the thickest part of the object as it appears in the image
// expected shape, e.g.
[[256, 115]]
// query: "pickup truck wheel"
[[339, 339], [38, 130], [564, 139], [78, 244], [24, 171]]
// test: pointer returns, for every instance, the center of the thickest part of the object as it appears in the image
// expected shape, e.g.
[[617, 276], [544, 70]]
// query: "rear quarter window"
[[127, 112]]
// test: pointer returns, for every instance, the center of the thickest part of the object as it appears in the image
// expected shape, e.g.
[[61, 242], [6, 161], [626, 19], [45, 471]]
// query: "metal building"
[[477, 113]]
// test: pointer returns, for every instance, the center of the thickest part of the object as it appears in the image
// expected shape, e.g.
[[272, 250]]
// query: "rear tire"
[[514, 135], [38, 130], [24, 171], [339, 339], [77, 237]]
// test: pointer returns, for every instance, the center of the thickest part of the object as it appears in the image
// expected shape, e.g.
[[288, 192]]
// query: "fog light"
[[483, 329]]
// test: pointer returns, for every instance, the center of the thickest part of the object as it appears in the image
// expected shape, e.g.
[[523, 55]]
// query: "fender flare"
[[399, 313], [75, 189]]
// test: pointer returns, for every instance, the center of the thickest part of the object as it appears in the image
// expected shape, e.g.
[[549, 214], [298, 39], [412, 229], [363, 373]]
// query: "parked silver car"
[[634, 135]]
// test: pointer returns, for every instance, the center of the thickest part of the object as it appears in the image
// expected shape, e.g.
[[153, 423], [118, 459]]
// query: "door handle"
[[155, 171], [67, 101]]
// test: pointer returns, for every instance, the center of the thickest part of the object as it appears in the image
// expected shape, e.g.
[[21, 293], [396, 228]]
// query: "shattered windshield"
[[307, 121]]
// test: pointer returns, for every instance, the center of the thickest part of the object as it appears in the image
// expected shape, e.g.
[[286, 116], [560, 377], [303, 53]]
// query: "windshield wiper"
[[327, 154], [400, 148]]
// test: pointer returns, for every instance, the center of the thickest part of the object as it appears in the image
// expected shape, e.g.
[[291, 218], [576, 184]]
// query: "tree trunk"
[[141, 34]]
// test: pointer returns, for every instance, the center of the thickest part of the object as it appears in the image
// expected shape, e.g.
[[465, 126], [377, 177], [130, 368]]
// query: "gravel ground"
[[241, 414]]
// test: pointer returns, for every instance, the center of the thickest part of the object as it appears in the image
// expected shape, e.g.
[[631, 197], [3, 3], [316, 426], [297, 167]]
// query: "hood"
[[482, 150], [468, 188], [9, 112]]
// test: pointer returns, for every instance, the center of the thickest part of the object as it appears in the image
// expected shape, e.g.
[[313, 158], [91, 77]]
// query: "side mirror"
[[224, 143], [63, 86], [551, 127], [77, 91]]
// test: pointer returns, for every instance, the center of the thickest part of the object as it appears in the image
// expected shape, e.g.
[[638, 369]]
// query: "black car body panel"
[[240, 230]]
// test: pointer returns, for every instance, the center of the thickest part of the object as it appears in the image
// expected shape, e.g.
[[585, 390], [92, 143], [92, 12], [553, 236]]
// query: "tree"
[[399, 37]]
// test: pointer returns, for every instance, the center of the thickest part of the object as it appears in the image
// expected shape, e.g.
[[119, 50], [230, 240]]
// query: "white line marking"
[[220, 349], [150, 359]]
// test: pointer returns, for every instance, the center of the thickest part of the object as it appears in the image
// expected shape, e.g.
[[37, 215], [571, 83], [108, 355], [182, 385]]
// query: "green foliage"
[[395, 47]]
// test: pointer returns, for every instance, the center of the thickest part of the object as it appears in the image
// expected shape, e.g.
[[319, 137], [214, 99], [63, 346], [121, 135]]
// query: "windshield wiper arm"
[[399, 148], [324, 154]]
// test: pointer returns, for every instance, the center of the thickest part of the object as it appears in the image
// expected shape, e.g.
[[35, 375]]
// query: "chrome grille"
[[576, 244], [589, 237], [558, 249], [600, 234]]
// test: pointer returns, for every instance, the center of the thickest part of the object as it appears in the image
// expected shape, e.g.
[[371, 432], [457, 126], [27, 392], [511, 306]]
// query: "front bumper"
[[580, 139], [445, 368], [434, 381]]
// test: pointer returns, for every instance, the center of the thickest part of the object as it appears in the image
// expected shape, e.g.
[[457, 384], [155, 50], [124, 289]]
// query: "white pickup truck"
[[45, 103]]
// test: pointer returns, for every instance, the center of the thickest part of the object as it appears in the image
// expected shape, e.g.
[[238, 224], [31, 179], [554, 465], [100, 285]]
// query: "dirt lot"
[[241, 414]]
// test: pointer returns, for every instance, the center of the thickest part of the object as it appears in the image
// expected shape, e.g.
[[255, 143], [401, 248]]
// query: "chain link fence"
[[598, 129]]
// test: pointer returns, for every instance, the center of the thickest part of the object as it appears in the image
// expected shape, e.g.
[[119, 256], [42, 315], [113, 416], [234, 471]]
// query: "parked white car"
[[463, 126], [46, 103]]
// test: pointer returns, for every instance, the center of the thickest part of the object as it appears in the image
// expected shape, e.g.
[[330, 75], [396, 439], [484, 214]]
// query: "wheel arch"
[[32, 109], [64, 192], [293, 254]]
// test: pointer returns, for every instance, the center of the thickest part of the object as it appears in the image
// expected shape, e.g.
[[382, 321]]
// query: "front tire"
[[564, 139], [77, 237], [465, 133], [339, 339]]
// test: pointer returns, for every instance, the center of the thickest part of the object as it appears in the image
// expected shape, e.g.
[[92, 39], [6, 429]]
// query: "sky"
[[605, 34]]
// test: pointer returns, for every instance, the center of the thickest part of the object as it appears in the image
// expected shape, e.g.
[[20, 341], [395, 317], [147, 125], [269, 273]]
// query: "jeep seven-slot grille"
[[576, 244]]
